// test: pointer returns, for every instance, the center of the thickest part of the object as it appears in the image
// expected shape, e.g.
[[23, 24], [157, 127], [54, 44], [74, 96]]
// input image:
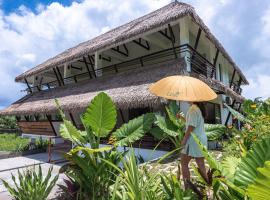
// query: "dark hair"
[[201, 107]]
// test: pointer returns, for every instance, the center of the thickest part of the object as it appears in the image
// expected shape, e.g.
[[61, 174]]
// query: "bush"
[[15, 143], [7, 122], [31, 185]]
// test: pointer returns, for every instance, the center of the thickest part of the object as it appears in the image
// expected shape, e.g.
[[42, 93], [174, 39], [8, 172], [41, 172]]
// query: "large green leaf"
[[255, 158], [230, 165], [214, 131], [134, 129], [260, 189], [70, 132], [237, 115], [101, 115], [167, 126]]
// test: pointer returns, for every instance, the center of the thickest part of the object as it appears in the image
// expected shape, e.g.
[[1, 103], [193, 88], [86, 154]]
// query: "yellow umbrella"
[[183, 88]]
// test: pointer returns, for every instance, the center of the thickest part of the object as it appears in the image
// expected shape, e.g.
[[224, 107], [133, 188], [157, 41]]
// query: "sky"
[[32, 31]]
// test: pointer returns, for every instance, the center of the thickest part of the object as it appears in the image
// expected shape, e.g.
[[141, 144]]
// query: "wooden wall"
[[37, 128]]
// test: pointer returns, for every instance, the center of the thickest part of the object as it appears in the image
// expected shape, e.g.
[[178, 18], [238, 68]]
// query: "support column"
[[98, 64], [184, 39], [67, 72]]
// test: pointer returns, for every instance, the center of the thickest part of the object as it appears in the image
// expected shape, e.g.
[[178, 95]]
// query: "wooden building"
[[124, 62]]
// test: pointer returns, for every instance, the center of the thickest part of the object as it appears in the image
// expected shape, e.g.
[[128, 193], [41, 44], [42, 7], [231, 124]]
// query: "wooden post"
[[49, 118], [30, 90]]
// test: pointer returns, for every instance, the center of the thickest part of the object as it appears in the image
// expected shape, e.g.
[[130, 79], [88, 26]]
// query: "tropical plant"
[[172, 189], [31, 185], [256, 123], [87, 166], [172, 128], [8, 122], [234, 177], [140, 183]]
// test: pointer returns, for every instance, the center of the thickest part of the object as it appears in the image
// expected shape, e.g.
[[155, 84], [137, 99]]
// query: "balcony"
[[198, 63]]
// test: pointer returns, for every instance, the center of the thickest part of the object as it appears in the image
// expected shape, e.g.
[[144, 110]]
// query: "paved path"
[[23, 162]]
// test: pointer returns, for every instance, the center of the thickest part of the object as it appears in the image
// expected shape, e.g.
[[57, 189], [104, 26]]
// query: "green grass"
[[12, 142]]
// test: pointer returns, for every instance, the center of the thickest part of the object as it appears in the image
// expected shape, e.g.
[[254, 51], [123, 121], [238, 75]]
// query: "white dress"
[[194, 118]]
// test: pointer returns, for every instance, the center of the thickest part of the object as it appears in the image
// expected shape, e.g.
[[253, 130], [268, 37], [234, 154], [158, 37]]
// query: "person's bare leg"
[[185, 159], [201, 166]]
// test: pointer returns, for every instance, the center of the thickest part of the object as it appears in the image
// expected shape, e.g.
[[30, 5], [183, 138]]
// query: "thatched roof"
[[127, 32], [128, 90]]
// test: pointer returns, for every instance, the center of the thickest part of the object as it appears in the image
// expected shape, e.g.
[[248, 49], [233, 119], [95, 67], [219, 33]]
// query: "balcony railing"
[[199, 64]]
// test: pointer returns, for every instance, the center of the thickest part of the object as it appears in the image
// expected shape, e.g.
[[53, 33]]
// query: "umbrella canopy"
[[183, 88]]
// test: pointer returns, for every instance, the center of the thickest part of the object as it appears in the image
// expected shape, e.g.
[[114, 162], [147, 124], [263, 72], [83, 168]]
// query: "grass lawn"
[[12, 142]]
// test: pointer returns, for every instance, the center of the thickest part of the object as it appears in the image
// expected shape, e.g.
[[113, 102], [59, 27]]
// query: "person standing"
[[194, 124]]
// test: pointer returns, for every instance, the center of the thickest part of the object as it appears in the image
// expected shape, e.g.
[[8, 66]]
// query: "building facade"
[[124, 62]]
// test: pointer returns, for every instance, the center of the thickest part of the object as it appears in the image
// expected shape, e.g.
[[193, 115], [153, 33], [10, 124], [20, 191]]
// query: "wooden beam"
[[49, 118], [91, 60], [108, 59], [232, 78], [122, 116], [215, 63], [72, 120], [117, 49], [145, 46], [60, 75], [229, 114], [56, 75], [29, 88], [78, 68], [87, 68], [173, 40], [165, 34], [197, 38]]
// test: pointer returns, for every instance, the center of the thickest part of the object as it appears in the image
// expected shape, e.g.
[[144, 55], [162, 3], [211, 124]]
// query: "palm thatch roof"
[[128, 89], [130, 31]]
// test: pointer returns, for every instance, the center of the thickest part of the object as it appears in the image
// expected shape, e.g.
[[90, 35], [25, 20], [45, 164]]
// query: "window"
[[212, 113]]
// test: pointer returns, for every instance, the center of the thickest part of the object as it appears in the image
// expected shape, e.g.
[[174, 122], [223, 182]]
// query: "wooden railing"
[[199, 64]]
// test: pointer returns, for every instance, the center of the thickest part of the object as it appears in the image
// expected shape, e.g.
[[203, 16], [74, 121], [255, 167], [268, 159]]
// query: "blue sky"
[[34, 30]]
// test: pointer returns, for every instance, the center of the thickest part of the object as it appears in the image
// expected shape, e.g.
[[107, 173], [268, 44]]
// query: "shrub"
[[31, 185]]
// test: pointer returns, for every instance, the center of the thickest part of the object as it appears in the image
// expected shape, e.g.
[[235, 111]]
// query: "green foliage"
[[90, 172], [101, 115], [15, 143], [260, 189], [214, 131], [8, 122], [256, 157], [88, 165], [133, 130], [139, 183], [31, 185], [172, 189]]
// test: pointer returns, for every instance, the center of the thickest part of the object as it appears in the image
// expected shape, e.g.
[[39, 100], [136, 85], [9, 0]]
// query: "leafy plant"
[[87, 165], [173, 129], [240, 176], [260, 189], [31, 185]]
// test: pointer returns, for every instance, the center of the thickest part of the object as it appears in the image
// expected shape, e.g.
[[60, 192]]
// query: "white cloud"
[[259, 87], [28, 38]]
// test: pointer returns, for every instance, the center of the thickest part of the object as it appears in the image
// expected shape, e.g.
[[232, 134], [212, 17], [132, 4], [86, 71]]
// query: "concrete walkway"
[[10, 165]]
